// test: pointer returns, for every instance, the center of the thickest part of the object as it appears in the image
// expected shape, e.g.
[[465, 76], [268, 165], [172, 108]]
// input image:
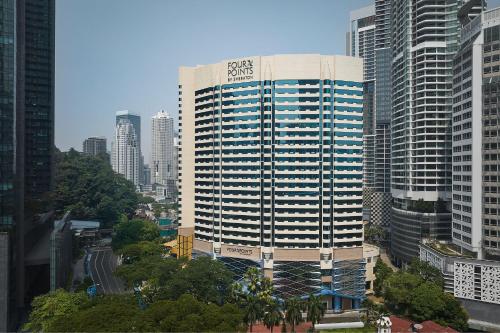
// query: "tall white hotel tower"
[[162, 149], [271, 170], [125, 152]]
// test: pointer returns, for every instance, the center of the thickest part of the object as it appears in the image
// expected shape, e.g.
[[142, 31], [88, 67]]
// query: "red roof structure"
[[401, 325]]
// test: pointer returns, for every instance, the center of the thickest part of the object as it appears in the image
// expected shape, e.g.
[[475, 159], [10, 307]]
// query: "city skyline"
[[138, 71], [330, 158]]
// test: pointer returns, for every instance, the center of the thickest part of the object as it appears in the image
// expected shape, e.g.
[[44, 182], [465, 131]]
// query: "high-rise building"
[[361, 39], [162, 148], [135, 120], [27, 143], [491, 135], [467, 205], [147, 174], [271, 170], [368, 39], [361, 43], [470, 264], [381, 198], [95, 146], [424, 39], [126, 152]]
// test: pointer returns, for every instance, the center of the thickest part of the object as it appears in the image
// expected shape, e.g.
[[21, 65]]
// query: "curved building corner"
[[271, 170]]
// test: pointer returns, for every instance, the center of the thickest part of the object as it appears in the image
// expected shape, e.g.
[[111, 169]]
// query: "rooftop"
[[400, 325], [447, 249]]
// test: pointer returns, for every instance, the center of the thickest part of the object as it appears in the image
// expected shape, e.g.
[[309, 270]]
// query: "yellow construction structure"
[[182, 247]]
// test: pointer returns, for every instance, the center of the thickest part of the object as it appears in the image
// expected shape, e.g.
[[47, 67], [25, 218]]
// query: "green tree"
[[373, 312], [146, 268], [453, 314], [427, 272], [272, 315], [88, 187], [187, 314], [256, 284], [253, 311], [120, 313], [206, 279], [398, 289], [134, 231], [48, 308], [110, 313], [136, 251], [382, 272], [426, 302], [315, 309], [374, 234], [293, 312]]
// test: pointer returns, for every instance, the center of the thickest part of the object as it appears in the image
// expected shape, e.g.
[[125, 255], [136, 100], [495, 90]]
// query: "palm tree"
[[315, 309], [272, 315], [253, 311], [293, 316]]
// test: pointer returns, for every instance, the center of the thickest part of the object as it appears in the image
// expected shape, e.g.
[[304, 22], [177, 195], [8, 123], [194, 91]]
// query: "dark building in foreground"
[[26, 149]]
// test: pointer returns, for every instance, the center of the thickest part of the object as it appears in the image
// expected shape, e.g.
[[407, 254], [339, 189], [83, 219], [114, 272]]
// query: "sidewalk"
[[385, 258]]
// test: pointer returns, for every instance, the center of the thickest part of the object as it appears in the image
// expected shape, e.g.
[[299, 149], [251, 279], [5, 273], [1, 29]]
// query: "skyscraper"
[[368, 37], [27, 141], [381, 138], [94, 146], [361, 43], [135, 120], [361, 39], [471, 264], [467, 134], [162, 148], [424, 40], [491, 135], [271, 170], [126, 152]]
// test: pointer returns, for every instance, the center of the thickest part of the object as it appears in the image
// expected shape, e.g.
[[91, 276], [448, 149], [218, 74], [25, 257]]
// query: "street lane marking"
[[97, 271], [104, 272]]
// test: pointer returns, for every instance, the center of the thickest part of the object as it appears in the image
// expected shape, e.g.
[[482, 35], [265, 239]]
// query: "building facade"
[[95, 146], [271, 170], [135, 120], [491, 137], [467, 126], [424, 39], [126, 152], [162, 148], [369, 39], [26, 141], [361, 43]]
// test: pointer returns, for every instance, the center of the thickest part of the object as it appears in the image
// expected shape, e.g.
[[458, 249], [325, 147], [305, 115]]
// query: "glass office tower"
[[424, 36], [26, 142]]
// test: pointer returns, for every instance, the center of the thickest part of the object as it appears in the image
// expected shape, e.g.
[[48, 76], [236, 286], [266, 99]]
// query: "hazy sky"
[[124, 54]]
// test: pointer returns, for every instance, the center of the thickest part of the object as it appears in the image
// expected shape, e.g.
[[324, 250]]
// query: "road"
[[102, 265]]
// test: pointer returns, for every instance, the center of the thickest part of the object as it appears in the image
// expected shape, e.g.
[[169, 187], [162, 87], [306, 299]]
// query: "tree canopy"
[[413, 296], [49, 308], [426, 272], [134, 231], [120, 313], [88, 187], [168, 278]]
